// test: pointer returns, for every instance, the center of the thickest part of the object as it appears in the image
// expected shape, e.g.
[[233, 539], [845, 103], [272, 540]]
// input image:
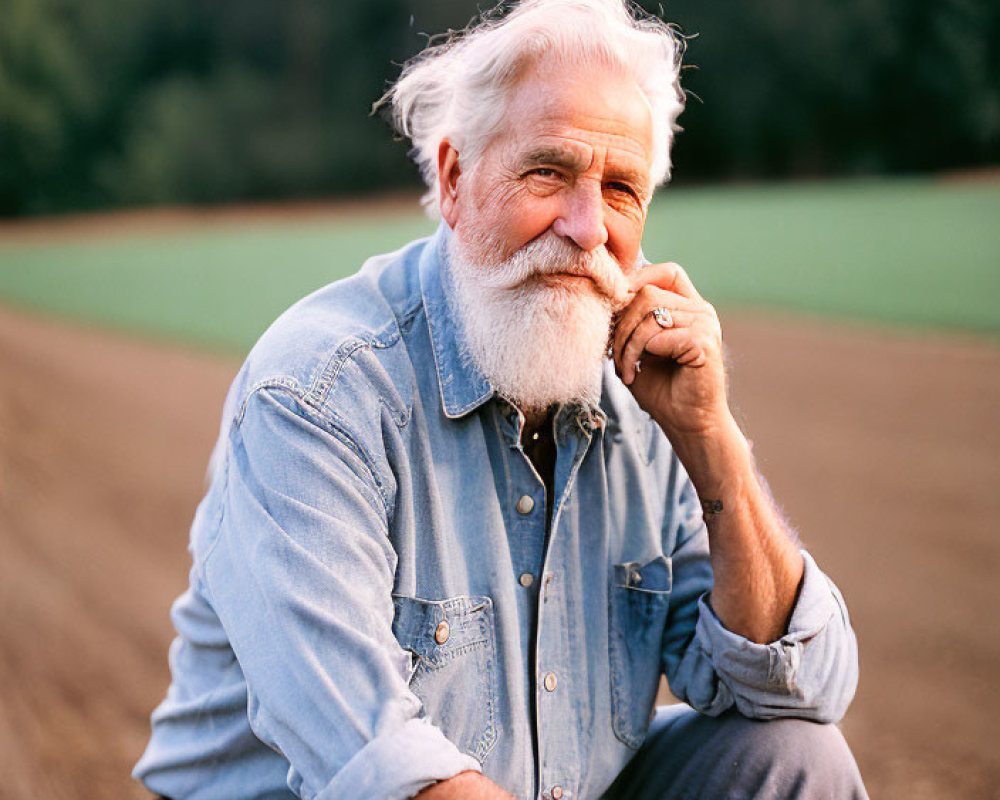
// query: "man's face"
[[572, 162], [548, 226]]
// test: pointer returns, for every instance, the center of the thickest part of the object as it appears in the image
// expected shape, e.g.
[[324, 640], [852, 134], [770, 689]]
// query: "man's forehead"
[[565, 117]]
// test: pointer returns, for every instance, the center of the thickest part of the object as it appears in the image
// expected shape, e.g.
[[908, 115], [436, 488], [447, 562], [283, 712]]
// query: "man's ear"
[[449, 172]]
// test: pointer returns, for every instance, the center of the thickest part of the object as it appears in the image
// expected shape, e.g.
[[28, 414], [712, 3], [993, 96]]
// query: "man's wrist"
[[467, 785], [717, 459]]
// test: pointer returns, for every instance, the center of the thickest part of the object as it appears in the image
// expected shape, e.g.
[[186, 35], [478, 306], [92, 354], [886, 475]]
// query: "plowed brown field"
[[884, 449]]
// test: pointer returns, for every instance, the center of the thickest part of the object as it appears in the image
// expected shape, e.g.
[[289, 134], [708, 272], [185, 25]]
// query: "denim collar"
[[463, 387]]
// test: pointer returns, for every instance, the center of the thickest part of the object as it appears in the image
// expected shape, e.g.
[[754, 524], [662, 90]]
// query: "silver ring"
[[663, 317]]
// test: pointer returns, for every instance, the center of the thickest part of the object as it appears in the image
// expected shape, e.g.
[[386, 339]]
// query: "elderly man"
[[470, 504]]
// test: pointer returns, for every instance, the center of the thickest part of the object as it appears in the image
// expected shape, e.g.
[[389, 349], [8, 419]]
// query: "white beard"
[[537, 341]]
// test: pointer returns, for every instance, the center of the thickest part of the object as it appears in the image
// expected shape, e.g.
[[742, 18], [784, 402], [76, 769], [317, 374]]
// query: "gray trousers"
[[688, 756]]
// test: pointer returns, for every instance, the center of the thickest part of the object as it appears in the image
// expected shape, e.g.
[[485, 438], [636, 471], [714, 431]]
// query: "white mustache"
[[550, 255]]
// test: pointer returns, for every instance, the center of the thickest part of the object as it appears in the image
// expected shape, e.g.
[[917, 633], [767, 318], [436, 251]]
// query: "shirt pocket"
[[639, 598], [455, 670]]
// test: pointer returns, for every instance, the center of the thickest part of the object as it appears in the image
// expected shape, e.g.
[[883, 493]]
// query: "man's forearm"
[[756, 565], [465, 786]]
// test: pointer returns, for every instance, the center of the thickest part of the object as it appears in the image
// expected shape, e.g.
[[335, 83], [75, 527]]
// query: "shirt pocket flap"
[[440, 630], [654, 576]]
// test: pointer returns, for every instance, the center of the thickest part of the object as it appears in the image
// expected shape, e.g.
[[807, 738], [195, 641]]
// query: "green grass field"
[[908, 251]]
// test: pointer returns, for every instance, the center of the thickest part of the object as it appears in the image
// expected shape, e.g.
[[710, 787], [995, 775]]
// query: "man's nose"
[[582, 216]]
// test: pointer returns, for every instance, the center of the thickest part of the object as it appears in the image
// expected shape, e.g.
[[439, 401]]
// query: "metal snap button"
[[550, 681], [442, 632], [526, 579], [557, 792], [525, 504]]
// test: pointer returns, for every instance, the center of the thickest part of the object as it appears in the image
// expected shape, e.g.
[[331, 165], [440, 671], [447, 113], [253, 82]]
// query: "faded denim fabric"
[[357, 623]]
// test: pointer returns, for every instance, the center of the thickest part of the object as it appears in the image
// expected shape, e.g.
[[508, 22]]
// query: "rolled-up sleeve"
[[300, 574], [811, 672]]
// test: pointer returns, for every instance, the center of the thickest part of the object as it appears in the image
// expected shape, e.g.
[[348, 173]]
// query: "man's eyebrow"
[[550, 154]]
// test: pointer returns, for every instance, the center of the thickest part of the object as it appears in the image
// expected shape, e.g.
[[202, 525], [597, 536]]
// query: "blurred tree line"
[[122, 102]]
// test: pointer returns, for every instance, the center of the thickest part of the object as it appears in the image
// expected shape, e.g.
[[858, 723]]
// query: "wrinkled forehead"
[[577, 113]]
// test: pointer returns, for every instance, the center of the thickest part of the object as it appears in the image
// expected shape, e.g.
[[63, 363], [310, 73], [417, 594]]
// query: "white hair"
[[457, 90]]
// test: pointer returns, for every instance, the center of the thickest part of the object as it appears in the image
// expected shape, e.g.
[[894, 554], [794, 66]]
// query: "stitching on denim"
[[315, 398], [570, 481], [508, 483], [620, 707], [489, 737], [383, 338], [406, 318], [400, 417], [483, 641], [622, 701], [337, 429], [387, 335], [446, 381], [484, 741], [320, 388], [322, 380], [437, 366], [290, 384]]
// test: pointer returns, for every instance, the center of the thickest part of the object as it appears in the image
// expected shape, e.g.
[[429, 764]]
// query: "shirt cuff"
[[755, 670], [399, 764]]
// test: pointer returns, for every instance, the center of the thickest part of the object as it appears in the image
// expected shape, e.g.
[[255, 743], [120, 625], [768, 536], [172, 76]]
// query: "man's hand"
[[465, 786], [682, 385], [681, 382]]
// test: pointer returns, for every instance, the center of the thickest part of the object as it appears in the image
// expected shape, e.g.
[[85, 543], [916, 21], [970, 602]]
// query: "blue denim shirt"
[[375, 602]]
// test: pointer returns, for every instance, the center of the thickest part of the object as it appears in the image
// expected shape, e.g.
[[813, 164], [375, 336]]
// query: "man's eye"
[[624, 188], [544, 172]]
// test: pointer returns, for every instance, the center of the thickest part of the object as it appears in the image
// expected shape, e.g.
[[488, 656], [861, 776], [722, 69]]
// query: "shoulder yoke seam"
[[331, 422], [324, 379]]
